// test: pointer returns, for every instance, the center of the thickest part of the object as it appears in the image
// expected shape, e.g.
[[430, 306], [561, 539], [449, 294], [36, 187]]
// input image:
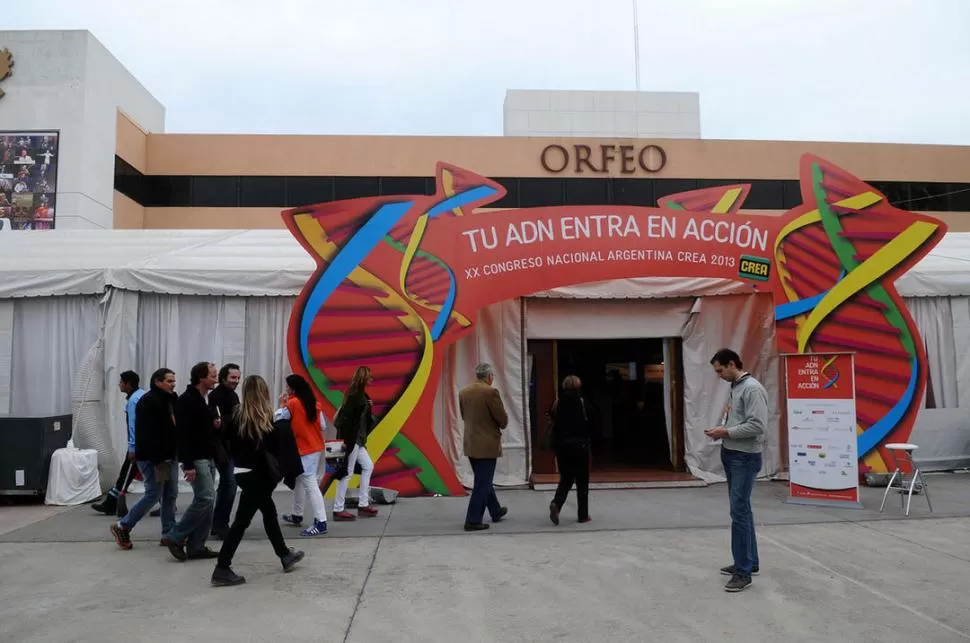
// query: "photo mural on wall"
[[399, 278]]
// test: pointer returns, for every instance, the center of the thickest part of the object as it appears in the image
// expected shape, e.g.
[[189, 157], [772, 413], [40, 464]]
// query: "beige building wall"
[[128, 215], [132, 142], [261, 155], [213, 155]]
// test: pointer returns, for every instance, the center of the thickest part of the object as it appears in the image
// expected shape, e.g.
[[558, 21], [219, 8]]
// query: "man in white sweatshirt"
[[742, 438]]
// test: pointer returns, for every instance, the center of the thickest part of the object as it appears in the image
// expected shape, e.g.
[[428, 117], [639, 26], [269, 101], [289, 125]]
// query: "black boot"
[[291, 559], [108, 506], [225, 577]]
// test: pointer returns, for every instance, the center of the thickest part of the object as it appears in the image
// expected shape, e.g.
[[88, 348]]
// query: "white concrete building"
[[68, 82], [602, 114]]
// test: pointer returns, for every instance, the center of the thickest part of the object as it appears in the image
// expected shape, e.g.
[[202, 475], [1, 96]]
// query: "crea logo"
[[756, 268]]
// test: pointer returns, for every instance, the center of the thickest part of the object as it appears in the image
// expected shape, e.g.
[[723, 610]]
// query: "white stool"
[[903, 453]]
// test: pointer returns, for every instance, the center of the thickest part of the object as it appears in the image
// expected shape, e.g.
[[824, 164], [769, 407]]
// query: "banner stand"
[[823, 460], [834, 504]]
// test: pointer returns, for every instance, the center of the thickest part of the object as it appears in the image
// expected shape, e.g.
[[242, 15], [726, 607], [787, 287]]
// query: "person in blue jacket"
[[129, 385]]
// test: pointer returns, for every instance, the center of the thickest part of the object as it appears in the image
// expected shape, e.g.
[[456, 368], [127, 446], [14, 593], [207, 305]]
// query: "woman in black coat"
[[264, 454], [571, 438], [355, 421]]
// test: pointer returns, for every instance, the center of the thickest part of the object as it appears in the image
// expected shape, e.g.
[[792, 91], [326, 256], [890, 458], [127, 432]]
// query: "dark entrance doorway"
[[623, 384]]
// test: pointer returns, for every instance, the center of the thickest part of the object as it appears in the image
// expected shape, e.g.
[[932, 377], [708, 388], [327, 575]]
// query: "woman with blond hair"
[[354, 422], [571, 438], [264, 454]]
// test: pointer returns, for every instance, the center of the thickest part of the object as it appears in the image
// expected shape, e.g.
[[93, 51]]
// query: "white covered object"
[[73, 479]]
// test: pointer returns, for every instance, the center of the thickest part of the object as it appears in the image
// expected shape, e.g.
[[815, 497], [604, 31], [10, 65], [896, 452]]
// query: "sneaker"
[[318, 529], [343, 516], [291, 559], [204, 554], [225, 577], [292, 519], [554, 513], [738, 583], [122, 536], [108, 506], [176, 549], [731, 570]]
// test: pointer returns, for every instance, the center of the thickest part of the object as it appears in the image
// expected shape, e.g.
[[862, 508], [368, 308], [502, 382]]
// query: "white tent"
[[144, 298]]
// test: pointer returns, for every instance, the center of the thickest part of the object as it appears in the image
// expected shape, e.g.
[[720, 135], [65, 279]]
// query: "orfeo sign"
[[628, 159]]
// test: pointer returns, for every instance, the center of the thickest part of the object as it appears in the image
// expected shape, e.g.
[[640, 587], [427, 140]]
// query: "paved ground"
[[645, 569]]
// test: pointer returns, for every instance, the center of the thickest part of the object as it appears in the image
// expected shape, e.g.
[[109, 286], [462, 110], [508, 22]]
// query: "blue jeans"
[[225, 496], [483, 493], [169, 492], [197, 519], [741, 470]]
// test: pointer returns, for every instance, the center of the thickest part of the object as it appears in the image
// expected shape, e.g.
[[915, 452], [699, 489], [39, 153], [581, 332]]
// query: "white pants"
[[366, 468], [307, 485]]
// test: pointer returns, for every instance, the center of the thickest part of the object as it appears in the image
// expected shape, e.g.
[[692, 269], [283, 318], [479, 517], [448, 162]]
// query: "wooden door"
[[675, 352], [543, 353]]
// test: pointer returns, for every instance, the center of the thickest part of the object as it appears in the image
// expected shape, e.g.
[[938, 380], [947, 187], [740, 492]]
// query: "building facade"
[[67, 85], [176, 181]]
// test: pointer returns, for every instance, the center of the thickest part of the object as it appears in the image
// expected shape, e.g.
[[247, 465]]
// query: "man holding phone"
[[223, 401], [742, 436], [198, 449]]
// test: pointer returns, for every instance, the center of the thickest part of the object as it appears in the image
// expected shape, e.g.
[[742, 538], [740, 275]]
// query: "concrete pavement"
[[645, 569]]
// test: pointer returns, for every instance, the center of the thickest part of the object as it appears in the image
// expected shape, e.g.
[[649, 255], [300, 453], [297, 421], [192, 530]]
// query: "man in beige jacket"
[[485, 418]]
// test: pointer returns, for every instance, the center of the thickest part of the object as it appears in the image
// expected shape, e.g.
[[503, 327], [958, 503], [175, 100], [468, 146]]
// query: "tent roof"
[[272, 263]]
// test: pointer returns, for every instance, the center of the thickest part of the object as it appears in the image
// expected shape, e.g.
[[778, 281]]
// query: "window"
[[262, 191], [959, 196], [633, 192], [588, 192], [397, 185], [353, 187], [511, 198], [765, 195], [894, 191], [929, 197], [791, 194], [535, 193], [308, 190], [294, 191], [215, 191], [167, 191], [666, 187]]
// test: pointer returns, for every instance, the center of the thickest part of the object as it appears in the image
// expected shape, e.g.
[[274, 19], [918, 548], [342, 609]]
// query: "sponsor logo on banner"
[[756, 268]]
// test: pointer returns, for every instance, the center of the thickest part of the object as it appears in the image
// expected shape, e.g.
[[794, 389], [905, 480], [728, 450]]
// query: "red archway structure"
[[400, 278]]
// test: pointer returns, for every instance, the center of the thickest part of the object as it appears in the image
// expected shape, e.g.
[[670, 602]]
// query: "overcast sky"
[[852, 70]]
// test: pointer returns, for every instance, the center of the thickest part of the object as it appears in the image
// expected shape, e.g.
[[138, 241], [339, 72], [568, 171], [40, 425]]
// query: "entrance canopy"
[[272, 263]]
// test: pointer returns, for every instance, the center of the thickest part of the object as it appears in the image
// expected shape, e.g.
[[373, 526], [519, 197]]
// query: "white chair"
[[902, 453]]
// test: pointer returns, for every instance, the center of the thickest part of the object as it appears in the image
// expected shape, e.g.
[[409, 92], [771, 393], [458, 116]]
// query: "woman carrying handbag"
[[264, 454], [570, 428]]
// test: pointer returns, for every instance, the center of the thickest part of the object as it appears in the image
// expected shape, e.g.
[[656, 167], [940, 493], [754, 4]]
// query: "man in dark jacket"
[[198, 448], [223, 401], [155, 452]]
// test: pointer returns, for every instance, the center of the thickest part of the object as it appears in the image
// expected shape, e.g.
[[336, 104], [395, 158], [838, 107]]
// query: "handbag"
[[273, 468], [549, 437]]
